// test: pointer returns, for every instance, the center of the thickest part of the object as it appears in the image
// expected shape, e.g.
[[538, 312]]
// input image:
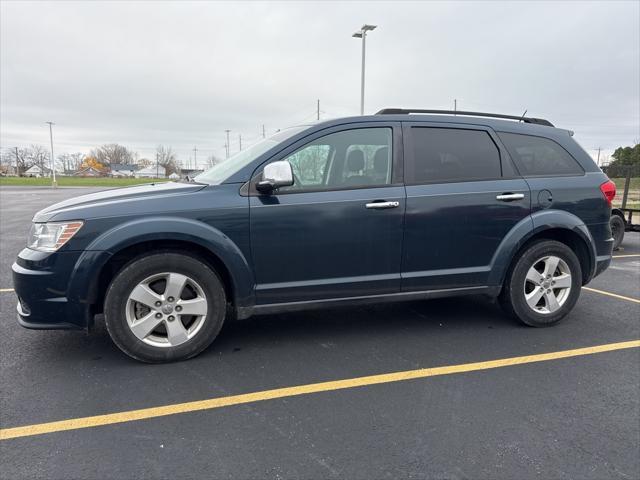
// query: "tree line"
[[625, 160], [102, 158]]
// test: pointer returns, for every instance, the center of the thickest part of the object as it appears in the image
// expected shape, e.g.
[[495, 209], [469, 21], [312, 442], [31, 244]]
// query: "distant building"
[[37, 171], [150, 172], [89, 172], [8, 170], [174, 176], [123, 170], [190, 172]]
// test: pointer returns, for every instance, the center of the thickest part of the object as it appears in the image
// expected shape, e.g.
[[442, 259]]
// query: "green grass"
[[633, 199], [634, 184], [78, 181]]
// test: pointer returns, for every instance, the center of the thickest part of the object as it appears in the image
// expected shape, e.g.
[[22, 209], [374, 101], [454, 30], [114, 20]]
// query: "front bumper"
[[41, 281]]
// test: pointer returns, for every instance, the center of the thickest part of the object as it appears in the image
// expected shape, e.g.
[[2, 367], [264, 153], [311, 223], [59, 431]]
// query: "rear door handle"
[[510, 197], [382, 205]]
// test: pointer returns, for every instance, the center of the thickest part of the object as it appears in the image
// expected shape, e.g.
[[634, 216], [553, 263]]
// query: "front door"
[[337, 232], [463, 198]]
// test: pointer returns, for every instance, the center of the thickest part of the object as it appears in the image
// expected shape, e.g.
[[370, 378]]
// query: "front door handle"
[[382, 205], [510, 197]]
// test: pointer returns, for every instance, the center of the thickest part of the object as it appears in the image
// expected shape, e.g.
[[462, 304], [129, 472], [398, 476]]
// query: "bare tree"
[[166, 158], [75, 160], [38, 155], [63, 159], [143, 162], [21, 158], [113, 154]]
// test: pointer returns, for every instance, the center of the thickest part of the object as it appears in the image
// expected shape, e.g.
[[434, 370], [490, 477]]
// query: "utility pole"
[[598, 161], [318, 110], [195, 158], [17, 164], [455, 104], [263, 132], [362, 33], [240, 140], [157, 165], [228, 147], [53, 159]]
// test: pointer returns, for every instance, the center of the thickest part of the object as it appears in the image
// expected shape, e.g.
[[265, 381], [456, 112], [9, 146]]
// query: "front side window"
[[452, 155], [538, 156], [343, 160]]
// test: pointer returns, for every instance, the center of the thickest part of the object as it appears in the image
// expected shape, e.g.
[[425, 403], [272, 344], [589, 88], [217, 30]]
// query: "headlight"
[[49, 237]]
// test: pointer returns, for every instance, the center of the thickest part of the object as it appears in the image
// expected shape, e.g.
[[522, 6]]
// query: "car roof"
[[498, 124]]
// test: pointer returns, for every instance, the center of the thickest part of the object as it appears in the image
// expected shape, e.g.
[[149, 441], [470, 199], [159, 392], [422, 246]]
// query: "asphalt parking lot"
[[574, 417]]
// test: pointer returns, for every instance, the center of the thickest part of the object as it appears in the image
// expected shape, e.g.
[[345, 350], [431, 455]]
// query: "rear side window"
[[451, 155], [538, 156]]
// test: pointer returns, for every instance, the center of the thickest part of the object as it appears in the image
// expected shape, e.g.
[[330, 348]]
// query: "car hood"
[[116, 195]]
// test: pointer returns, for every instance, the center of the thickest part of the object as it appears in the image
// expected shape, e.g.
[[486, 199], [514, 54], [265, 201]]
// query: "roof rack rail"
[[402, 111]]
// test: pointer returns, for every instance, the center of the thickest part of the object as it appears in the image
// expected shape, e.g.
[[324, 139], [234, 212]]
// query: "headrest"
[[355, 161], [381, 160]]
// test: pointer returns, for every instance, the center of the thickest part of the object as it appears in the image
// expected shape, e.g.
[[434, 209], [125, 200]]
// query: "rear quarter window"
[[451, 155], [539, 157]]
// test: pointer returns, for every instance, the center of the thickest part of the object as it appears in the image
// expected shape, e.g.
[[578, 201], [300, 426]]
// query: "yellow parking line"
[[614, 295], [212, 403], [626, 256], [5, 290]]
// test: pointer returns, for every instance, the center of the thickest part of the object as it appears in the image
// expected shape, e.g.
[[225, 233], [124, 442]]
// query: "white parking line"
[[6, 290]]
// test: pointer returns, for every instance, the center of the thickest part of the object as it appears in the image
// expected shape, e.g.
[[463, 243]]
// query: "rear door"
[[463, 197], [337, 232]]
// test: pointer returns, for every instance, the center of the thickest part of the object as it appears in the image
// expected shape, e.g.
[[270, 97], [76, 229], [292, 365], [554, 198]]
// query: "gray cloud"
[[146, 73]]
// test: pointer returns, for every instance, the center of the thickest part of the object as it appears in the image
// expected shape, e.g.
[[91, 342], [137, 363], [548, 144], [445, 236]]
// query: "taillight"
[[608, 189]]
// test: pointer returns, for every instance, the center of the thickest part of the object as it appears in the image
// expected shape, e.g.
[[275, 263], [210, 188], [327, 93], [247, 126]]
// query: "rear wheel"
[[543, 284], [164, 307], [617, 230]]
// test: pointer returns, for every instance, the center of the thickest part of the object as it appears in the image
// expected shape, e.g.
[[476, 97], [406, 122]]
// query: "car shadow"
[[347, 326]]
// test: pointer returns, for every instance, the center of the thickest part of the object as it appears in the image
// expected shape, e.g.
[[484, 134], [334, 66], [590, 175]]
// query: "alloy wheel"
[[547, 284], [166, 309]]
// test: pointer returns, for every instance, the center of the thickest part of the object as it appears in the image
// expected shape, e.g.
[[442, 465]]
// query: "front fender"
[[141, 230], [531, 226]]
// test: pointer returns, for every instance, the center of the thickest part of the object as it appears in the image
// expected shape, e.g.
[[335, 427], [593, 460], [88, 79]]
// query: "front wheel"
[[543, 285], [164, 307]]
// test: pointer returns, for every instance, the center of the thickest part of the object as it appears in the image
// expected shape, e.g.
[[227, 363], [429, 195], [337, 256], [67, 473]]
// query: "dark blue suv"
[[401, 205]]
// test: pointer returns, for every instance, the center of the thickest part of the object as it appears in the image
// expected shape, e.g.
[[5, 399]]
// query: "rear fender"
[[528, 228]]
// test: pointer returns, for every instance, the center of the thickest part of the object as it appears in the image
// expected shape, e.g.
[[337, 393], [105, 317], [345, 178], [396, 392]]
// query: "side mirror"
[[275, 175]]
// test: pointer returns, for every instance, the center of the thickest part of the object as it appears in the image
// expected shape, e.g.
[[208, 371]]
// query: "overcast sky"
[[179, 74]]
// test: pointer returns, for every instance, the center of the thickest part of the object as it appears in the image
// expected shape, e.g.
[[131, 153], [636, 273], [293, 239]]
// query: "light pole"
[[53, 159], [362, 33]]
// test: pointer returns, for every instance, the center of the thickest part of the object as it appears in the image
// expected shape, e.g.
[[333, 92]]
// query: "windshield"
[[220, 172]]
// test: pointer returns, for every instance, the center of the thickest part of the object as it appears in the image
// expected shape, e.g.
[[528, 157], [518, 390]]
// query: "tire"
[[150, 325], [527, 291], [617, 230]]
